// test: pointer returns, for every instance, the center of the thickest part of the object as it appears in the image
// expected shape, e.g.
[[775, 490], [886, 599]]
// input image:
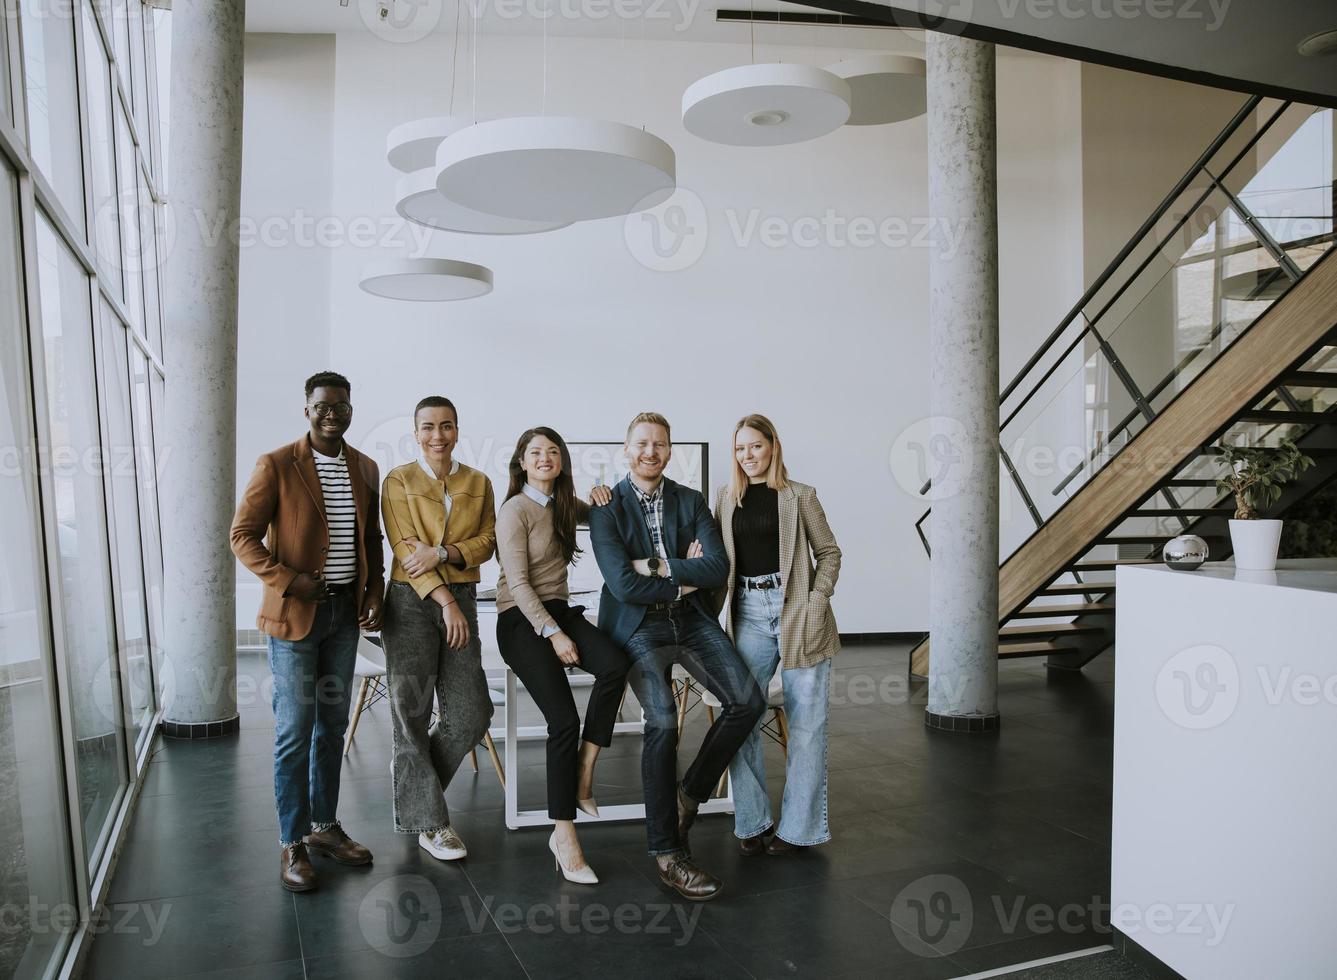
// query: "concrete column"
[[963, 316], [199, 482]]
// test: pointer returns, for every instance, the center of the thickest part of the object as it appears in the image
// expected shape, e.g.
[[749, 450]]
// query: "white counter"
[[1224, 846]]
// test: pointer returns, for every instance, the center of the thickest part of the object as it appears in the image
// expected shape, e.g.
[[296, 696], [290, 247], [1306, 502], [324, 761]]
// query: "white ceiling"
[[1248, 44], [654, 19]]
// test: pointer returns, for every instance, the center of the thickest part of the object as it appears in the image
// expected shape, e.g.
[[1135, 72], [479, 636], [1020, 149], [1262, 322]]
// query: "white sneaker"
[[443, 844]]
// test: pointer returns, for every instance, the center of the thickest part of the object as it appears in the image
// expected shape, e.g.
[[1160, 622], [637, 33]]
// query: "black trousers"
[[535, 662]]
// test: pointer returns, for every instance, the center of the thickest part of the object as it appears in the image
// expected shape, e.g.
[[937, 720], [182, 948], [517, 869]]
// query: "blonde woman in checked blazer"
[[783, 566]]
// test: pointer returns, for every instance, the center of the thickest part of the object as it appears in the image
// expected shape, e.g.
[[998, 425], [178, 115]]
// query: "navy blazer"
[[620, 535]]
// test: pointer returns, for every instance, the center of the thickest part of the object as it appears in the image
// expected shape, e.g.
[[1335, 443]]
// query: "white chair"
[[371, 668], [775, 727]]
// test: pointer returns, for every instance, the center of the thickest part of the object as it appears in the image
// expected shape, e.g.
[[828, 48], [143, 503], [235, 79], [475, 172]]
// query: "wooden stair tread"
[[1311, 379], [1032, 650], [1148, 538], [1192, 481], [1044, 629], [1294, 418], [1083, 588], [1183, 512], [1102, 564], [1064, 609]]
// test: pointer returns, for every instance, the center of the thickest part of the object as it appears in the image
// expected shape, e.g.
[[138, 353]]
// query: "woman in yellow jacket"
[[440, 520]]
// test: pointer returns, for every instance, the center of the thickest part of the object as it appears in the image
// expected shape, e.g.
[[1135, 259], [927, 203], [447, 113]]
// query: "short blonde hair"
[[653, 418], [777, 476]]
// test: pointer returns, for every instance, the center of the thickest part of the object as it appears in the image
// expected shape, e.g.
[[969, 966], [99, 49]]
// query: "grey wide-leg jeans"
[[421, 668]]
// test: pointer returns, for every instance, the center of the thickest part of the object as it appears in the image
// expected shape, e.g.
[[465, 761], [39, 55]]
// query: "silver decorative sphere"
[[1185, 552]]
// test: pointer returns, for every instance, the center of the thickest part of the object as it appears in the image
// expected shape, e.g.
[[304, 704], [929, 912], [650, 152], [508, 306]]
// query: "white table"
[[512, 733], [1225, 768]]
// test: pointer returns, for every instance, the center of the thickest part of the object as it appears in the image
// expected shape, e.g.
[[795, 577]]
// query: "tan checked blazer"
[[807, 626]]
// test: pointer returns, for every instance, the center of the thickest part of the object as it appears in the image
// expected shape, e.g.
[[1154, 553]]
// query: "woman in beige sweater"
[[541, 634]]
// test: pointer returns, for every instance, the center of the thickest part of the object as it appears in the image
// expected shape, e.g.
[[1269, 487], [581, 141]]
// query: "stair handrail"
[[1184, 182]]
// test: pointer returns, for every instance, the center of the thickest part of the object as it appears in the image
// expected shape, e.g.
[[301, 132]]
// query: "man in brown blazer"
[[307, 526]]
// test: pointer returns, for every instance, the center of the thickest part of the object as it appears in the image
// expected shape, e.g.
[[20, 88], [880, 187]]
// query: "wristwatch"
[[442, 554], [653, 564]]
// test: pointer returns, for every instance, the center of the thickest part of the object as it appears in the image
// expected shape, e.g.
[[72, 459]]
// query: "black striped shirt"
[[340, 516]]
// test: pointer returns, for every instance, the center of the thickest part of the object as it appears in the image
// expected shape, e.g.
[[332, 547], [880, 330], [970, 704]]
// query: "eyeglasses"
[[340, 409]]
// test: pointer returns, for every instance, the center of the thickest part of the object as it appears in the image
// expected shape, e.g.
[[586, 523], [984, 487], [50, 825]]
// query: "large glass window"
[[106, 219], [6, 105], [119, 22], [160, 35], [37, 875], [76, 491], [139, 69], [50, 79], [131, 247], [149, 260], [121, 461], [147, 395]]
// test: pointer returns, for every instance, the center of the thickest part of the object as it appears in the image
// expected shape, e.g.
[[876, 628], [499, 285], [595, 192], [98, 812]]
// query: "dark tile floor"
[[951, 854]]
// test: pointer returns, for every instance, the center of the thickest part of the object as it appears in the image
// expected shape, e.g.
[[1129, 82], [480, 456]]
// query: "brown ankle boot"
[[750, 846], [679, 873], [336, 845], [295, 871]]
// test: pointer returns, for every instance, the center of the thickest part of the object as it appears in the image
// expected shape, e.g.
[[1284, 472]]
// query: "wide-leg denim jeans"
[[421, 669], [807, 690]]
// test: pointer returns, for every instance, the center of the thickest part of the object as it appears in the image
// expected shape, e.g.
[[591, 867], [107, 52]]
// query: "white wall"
[[830, 341], [287, 167]]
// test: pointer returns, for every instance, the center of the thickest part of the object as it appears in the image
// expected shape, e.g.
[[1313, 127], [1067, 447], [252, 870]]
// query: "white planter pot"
[[1255, 544]]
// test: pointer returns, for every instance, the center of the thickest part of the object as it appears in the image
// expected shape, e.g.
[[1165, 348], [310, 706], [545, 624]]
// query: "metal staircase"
[[1217, 321]]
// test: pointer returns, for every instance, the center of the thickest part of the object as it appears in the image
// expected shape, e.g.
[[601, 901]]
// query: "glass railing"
[[1252, 215]]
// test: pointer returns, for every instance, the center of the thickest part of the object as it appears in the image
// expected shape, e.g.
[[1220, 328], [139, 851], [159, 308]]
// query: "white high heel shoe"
[[580, 876]]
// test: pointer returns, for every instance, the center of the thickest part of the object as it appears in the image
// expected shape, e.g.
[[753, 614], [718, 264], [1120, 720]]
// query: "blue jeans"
[[682, 635], [313, 686], [807, 693]]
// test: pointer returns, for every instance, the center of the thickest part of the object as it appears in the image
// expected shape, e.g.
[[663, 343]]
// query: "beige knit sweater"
[[532, 568]]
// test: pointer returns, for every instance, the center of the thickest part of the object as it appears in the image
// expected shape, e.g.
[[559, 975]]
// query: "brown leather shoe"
[[337, 846], [751, 846], [686, 816], [778, 845], [679, 873], [295, 871]]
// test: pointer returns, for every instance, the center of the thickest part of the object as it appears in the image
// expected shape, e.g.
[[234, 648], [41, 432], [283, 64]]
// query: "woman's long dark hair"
[[565, 505]]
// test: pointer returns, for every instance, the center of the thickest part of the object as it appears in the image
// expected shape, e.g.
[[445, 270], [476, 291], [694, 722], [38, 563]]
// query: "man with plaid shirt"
[[660, 553]]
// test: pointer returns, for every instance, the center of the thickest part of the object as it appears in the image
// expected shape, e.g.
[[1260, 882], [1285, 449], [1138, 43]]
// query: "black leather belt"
[[667, 606], [339, 588], [765, 585]]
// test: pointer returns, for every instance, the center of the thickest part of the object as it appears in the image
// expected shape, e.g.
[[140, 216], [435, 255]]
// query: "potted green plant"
[[1255, 475]]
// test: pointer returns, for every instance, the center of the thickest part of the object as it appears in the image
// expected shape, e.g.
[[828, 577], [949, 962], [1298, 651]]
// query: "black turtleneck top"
[[756, 531]]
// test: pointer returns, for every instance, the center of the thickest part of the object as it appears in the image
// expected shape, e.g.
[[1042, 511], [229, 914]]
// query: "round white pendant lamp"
[[411, 146], [884, 88], [427, 280], [555, 168], [418, 200], [766, 105]]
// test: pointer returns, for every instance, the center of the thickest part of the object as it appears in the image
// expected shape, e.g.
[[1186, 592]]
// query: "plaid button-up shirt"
[[652, 506]]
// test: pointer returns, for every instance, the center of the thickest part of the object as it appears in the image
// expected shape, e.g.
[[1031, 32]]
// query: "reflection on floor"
[[952, 854]]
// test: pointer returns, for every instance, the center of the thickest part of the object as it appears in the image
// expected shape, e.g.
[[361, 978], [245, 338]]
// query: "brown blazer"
[[808, 633], [280, 530]]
